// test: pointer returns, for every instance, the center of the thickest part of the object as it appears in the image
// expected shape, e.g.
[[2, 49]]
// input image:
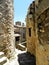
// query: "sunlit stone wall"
[[30, 29], [6, 27], [42, 44]]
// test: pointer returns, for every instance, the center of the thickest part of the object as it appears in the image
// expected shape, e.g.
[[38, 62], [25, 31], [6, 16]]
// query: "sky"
[[20, 9]]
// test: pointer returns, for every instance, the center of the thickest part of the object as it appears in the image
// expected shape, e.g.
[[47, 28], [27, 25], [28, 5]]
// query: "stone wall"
[[42, 22], [30, 24], [6, 27], [38, 42]]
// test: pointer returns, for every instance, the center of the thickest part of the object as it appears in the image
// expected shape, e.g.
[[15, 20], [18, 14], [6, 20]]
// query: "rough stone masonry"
[[42, 21], [6, 27], [38, 38]]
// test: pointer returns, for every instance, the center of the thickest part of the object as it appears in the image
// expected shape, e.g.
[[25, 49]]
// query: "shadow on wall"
[[26, 59]]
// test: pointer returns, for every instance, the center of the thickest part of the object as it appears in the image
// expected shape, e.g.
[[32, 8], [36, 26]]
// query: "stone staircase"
[[21, 46], [3, 59]]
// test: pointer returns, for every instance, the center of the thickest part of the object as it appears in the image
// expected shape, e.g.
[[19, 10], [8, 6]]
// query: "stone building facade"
[[30, 28], [18, 23], [20, 31], [38, 32], [6, 27], [42, 22]]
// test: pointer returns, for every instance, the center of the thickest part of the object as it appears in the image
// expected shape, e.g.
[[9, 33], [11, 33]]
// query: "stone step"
[[21, 47], [1, 54], [3, 59]]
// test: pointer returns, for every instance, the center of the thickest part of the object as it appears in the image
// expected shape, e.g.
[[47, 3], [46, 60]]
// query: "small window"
[[30, 32]]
